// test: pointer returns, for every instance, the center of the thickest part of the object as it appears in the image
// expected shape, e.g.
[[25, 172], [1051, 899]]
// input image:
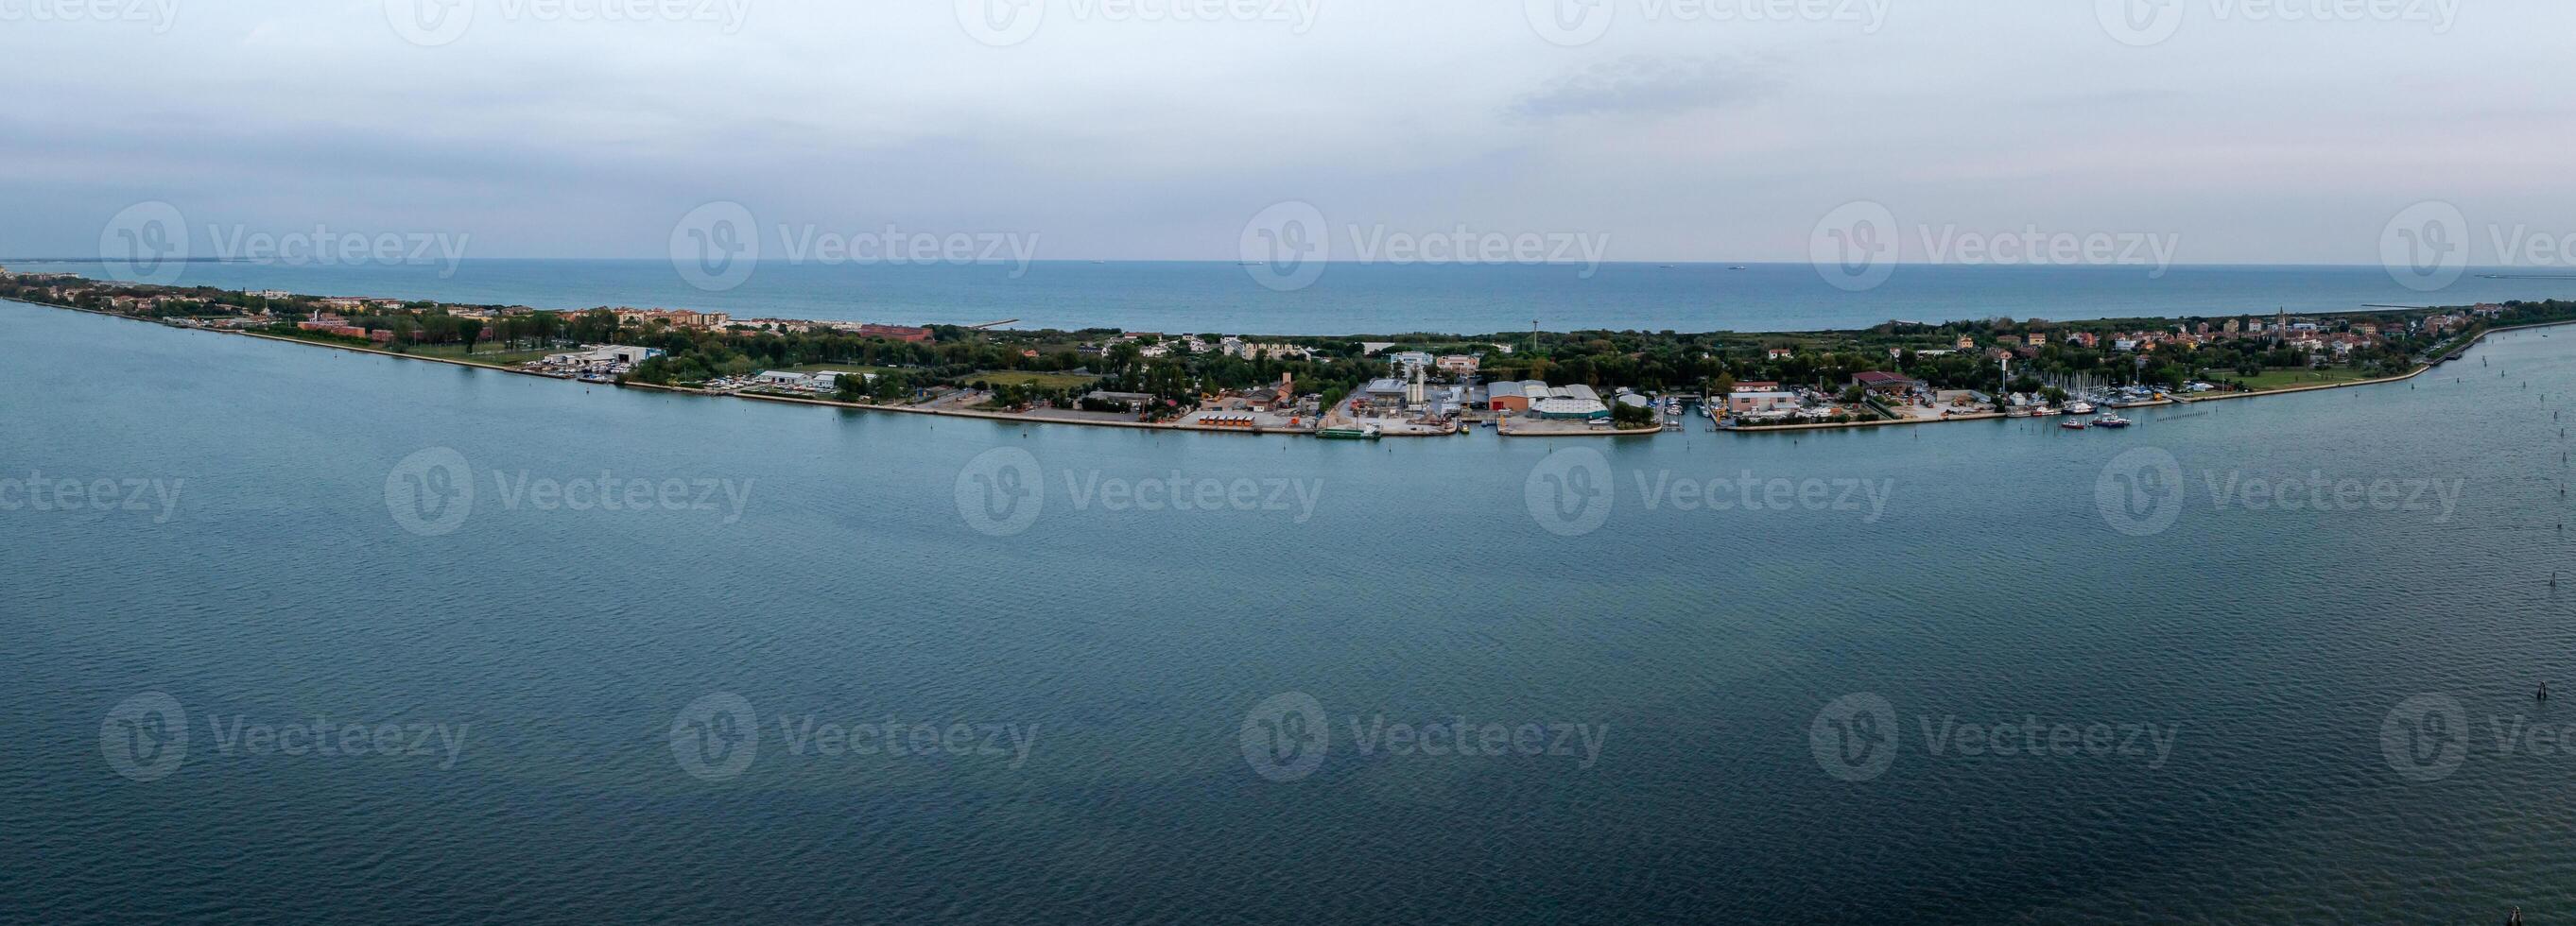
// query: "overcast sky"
[[1674, 129]]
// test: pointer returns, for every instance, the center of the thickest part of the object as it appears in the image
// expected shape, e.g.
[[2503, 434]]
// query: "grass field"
[[1025, 378], [2291, 378], [838, 368], [486, 354]]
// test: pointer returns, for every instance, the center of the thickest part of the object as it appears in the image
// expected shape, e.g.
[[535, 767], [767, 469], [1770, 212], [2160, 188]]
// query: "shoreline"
[[1020, 418]]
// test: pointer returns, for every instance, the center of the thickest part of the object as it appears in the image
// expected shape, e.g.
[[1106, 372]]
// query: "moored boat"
[[2073, 425], [1364, 432], [2112, 421]]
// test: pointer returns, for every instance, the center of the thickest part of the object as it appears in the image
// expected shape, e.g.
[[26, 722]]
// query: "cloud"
[[1639, 85]]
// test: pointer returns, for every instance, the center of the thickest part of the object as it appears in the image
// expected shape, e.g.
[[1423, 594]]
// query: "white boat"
[[2079, 407]]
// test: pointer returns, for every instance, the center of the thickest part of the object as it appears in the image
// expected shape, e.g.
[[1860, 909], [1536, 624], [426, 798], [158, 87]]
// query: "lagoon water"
[[1357, 298], [1977, 581]]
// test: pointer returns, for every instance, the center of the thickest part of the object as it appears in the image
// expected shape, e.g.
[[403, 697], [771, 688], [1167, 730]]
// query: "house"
[[1967, 342], [1779, 353], [1884, 383], [1459, 365], [1755, 403], [1130, 401]]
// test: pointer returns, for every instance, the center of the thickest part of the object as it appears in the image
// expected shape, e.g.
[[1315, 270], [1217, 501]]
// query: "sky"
[[2225, 131]]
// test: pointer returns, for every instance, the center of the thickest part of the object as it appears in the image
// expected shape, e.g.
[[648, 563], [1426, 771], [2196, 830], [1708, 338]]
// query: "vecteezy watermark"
[[717, 246], [39, 492], [718, 736], [432, 23], [159, 15], [2428, 737], [2428, 246], [144, 243], [2143, 492], [432, 492], [1287, 736], [1004, 23], [1582, 22], [1288, 246], [1002, 491], [150, 242], [2425, 247], [2142, 23], [146, 737], [1856, 738], [1571, 492], [1857, 246]]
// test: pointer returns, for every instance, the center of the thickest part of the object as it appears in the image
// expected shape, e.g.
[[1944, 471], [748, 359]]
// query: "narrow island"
[[1368, 387]]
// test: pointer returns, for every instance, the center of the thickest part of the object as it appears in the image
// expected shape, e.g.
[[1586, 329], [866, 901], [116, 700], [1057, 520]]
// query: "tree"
[[469, 329]]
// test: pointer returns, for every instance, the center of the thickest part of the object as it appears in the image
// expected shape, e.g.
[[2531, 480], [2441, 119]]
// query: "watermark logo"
[[1570, 492], [1854, 737], [1285, 737], [160, 15], [1001, 23], [431, 492], [2426, 737], [39, 492], [1004, 23], [321, 246], [435, 23], [2140, 23], [430, 23], [715, 737], [2426, 247], [1571, 23], [1854, 248], [2143, 492], [145, 737], [146, 243], [716, 246], [1001, 492], [2139, 493], [1286, 247]]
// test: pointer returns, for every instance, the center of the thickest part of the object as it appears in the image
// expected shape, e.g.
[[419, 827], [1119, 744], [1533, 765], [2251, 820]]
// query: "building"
[[1566, 407], [1459, 365], [1132, 401], [1884, 383], [1506, 397], [1755, 403], [786, 379]]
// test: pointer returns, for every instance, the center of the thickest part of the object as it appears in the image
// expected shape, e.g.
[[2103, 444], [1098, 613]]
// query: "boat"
[[1739, 268], [2112, 421], [1364, 432], [2073, 425], [2079, 407]]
